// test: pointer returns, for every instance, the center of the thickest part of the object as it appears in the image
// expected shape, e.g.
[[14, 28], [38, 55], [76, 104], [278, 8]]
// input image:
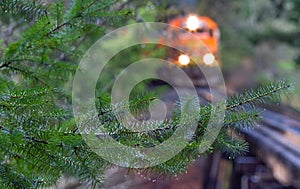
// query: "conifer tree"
[[38, 135]]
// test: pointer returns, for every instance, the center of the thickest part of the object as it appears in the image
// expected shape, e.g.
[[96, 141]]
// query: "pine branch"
[[262, 94], [28, 9], [39, 138], [10, 178], [236, 117], [268, 92]]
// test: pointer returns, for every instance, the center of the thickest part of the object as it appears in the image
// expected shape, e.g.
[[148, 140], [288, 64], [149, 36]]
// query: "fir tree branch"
[[252, 96], [40, 141], [28, 73], [36, 140], [29, 9], [5, 64], [232, 120], [57, 28]]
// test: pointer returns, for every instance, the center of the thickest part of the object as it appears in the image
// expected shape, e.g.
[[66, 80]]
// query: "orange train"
[[204, 29], [195, 50]]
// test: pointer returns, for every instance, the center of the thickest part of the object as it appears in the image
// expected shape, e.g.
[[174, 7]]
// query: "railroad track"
[[273, 161], [276, 142]]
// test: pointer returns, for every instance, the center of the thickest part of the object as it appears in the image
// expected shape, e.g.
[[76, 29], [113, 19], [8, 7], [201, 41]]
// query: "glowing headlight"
[[184, 59], [208, 58], [192, 23]]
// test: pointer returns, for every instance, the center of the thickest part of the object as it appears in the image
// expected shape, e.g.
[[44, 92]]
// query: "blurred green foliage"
[[40, 50]]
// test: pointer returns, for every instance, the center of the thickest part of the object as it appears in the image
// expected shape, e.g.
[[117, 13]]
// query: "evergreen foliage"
[[38, 136]]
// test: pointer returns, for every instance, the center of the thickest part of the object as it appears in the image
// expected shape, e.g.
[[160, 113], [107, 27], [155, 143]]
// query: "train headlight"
[[192, 23], [208, 58], [184, 59]]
